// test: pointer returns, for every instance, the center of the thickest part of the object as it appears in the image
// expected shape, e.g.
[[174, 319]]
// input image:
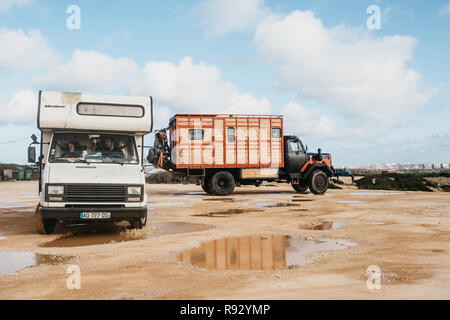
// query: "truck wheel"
[[222, 183], [318, 182], [302, 186], [43, 226], [139, 223], [206, 186]]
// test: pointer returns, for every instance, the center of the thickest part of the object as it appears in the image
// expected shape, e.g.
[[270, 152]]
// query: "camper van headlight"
[[55, 190], [134, 191]]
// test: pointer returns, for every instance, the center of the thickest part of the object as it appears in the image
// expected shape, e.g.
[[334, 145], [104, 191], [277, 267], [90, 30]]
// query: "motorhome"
[[91, 158]]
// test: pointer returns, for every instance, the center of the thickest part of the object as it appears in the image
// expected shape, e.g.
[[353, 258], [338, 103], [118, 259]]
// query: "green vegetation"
[[395, 181], [168, 177]]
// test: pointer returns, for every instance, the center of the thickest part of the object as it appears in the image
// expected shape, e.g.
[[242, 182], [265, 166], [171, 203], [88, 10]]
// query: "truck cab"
[[91, 158], [305, 170]]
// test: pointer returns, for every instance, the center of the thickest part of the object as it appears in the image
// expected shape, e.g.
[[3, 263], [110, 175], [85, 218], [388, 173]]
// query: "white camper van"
[[91, 158]]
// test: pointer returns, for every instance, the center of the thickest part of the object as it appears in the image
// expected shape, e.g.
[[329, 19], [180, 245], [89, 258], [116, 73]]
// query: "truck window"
[[93, 147], [294, 146], [276, 132], [230, 134], [196, 134]]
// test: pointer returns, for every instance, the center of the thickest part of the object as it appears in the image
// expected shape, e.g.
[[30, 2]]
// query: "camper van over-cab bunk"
[[226, 151], [91, 158]]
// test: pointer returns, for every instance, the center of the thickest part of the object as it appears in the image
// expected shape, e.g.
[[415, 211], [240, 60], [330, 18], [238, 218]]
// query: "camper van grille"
[[95, 193]]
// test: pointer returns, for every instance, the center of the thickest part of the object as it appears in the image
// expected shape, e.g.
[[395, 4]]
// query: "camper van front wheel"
[[43, 226], [139, 223]]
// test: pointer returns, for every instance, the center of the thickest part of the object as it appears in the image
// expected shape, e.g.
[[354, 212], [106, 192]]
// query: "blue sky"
[[366, 96]]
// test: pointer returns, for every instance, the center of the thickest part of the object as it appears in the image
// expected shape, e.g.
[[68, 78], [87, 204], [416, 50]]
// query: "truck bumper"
[[73, 214]]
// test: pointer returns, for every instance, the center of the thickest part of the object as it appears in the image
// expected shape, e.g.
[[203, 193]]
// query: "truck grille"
[[95, 193]]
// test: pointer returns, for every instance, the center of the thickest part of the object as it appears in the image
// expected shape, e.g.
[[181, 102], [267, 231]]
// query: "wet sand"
[[259, 243]]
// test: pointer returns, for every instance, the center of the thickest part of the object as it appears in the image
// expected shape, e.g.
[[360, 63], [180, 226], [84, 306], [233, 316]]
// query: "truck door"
[[294, 154]]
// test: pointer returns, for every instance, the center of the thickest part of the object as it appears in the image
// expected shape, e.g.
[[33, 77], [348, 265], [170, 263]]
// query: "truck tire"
[[318, 182], [206, 185], [138, 223], [222, 183], [43, 226], [302, 186]]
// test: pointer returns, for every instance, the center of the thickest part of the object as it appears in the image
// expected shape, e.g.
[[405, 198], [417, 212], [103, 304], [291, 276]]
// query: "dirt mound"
[[394, 181], [167, 177]]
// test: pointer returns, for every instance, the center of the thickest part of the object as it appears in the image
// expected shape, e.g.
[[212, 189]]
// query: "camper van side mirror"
[[151, 158], [32, 154]]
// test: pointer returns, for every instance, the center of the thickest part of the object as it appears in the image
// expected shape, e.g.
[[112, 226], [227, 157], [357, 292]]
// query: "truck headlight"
[[134, 191], [55, 190]]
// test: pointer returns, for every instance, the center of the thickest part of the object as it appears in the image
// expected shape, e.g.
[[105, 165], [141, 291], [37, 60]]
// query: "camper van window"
[[196, 134], [276, 132], [112, 110], [93, 147]]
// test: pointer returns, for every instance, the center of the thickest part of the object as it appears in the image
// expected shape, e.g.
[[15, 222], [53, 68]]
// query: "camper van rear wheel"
[[43, 226], [318, 182], [302, 186], [222, 183]]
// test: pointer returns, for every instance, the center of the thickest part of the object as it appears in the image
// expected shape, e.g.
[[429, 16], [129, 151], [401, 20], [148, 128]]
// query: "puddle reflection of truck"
[[225, 151], [91, 158]]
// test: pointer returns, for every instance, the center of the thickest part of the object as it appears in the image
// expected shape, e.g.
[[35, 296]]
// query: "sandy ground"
[[406, 235]]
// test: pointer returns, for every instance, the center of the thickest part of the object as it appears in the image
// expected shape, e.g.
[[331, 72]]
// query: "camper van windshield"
[[93, 147]]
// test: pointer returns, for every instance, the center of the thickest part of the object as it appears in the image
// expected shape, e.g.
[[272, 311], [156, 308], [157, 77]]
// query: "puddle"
[[13, 206], [300, 200], [221, 199], [326, 225], [299, 210], [259, 252], [349, 201], [226, 213], [168, 204], [115, 234], [165, 228], [376, 193], [3, 238], [375, 222], [11, 262], [174, 197], [276, 204]]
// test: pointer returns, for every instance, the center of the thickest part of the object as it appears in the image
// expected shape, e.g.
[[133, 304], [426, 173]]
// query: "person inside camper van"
[[108, 146], [73, 150]]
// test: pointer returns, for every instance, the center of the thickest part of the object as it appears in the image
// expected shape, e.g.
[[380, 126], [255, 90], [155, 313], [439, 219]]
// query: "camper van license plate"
[[95, 215]]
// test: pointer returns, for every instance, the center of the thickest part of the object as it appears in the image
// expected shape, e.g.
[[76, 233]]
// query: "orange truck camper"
[[226, 151]]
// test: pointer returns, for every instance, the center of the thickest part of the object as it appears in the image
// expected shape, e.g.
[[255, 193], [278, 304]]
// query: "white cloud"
[[24, 51], [20, 109], [307, 122], [5, 5], [341, 67], [195, 88], [445, 10], [223, 16], [90, 71]]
